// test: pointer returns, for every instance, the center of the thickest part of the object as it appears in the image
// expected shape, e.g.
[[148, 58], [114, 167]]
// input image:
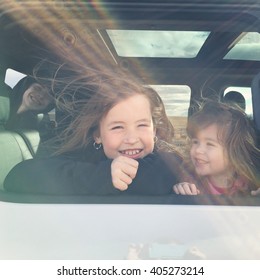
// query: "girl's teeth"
[[131, 153], [201, 161]]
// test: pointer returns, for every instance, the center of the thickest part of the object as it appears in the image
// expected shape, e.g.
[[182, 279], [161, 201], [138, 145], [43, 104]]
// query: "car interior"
[[187, 52]]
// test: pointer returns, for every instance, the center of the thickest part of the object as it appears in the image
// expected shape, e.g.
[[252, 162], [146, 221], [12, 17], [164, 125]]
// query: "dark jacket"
[[64, 175]]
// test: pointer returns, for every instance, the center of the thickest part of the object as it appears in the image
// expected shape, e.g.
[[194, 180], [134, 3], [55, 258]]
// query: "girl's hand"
[[185, 188], [123, 171], [255, 193]]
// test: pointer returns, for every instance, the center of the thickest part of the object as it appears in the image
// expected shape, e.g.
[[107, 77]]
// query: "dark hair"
[[235, 98], [235, 133]]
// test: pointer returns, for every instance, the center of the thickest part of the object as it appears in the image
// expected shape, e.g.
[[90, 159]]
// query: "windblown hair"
[[96, 95], [235, 133]]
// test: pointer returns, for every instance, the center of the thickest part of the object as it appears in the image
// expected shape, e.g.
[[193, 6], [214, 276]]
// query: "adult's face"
[[36, 98]]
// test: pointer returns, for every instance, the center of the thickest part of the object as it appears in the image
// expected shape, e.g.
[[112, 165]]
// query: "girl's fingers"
[[255, 193], [185, 189]]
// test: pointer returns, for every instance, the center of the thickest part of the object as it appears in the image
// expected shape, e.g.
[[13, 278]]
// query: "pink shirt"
[[238, 185]]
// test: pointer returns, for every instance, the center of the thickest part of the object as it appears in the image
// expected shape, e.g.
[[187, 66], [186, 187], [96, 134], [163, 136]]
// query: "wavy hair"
[[95, 96], [236, 134]]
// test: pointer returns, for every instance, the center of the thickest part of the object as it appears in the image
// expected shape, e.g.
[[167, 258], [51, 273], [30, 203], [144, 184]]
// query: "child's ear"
[[97, 138]]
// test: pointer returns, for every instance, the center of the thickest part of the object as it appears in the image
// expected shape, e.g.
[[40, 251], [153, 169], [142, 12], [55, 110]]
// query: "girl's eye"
[[143, 125], [194, 141], [116, 127], [210, 144]]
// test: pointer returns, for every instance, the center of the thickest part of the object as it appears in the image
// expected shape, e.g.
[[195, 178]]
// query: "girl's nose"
[[131, 137], [199, 149]]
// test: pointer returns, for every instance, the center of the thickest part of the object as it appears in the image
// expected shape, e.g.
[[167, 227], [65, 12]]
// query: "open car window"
[[187, 54]]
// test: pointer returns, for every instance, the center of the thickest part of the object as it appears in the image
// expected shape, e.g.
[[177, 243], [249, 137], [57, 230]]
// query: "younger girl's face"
[[127, 129], [36, 98], [209, 156]]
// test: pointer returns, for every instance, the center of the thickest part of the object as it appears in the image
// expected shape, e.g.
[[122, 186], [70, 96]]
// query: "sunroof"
[[247, 48], [147, 43]]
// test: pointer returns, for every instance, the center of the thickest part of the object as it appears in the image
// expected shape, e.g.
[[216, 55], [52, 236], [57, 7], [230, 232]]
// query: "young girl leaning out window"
[[223, 155]]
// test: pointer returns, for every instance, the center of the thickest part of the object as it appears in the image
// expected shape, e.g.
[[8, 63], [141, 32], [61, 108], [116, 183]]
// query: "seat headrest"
[[4, 104], [255, 88]]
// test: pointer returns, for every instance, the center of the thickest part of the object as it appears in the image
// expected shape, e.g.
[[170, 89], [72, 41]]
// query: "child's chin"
[[201, 173]]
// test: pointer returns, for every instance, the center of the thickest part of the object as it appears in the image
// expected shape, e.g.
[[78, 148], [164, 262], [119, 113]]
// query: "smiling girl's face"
[[36, 98], [209, 156], [127, 129]]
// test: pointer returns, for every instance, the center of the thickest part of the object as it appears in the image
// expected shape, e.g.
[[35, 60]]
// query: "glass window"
[[12, 77], [176, 99], [246, 92], [147, 43], [246, 48]]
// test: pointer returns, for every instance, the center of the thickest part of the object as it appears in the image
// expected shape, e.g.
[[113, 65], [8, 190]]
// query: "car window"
[[12, 77], [246, 47], [147, 43], [246, 92], [179, 49], [188, 51], [176, 99]]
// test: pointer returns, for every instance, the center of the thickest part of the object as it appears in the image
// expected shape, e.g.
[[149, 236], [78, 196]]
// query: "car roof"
[[70, 31]]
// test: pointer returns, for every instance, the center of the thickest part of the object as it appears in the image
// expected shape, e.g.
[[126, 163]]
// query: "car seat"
[[13, 148]]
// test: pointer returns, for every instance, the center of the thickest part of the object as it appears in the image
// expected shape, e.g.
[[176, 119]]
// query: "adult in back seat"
[[28, 99], [235, 98]]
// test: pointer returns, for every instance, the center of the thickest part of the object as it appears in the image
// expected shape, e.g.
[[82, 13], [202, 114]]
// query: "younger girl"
[[115, 142], [224, 157]]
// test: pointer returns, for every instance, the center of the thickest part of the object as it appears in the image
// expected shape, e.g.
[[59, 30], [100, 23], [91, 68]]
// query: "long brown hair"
[[99, 93], [235, 133]]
